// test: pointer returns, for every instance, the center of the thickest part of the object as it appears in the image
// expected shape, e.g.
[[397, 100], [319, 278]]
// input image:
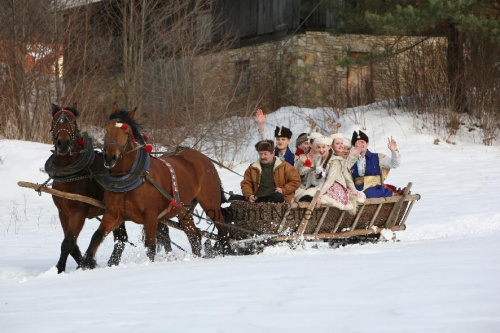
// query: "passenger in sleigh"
[[335, 184], [303, 145], [268, 179], [304, 164], [282, 136], [371, 169], [350, 155]]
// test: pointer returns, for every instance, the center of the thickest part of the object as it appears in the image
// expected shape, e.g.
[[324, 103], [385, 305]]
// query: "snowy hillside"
[[442, 275]]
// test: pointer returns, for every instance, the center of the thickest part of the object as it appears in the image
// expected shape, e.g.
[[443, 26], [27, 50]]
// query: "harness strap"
[[175, 201]]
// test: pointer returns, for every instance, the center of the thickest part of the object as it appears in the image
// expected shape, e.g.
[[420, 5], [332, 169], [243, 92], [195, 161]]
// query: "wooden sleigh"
[[270, 223], [254, 226]]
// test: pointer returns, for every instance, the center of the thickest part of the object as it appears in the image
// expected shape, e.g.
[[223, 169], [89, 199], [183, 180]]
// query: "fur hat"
[[347, 143], [282, 132], [301, 139], [314, 135], [265, 145], [323, 140], [358, 136], [336, 136]]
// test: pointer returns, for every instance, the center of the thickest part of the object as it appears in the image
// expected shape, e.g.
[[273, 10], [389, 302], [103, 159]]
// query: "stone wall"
[[304, 70]]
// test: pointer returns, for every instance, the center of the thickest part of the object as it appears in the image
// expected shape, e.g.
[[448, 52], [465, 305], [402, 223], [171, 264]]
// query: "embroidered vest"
[[373, 175]]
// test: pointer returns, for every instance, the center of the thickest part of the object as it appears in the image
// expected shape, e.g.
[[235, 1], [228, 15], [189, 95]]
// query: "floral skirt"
[[339, 193]]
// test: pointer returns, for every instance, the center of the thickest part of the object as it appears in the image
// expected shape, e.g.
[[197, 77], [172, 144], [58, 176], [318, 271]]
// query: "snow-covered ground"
[[442, 276]]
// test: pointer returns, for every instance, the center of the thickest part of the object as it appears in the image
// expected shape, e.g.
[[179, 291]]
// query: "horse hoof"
[[114, 261], [88, 263]]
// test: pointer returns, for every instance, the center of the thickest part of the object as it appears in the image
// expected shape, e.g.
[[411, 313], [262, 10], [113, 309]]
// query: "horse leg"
[[163, 237], [108, 224], [71, 227], [121, 237], [192, 233], [150, 227], [218, 216]]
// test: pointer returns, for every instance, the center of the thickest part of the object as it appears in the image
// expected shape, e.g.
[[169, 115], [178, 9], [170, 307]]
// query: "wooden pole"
[[375, 216], [337, 225], [391, 220], [62, 194], [307, 215], [322, 219]]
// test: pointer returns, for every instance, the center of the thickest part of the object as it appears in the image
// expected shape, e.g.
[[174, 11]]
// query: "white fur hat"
[[323, 140], [336, 136], [314, 135], [347, 143]]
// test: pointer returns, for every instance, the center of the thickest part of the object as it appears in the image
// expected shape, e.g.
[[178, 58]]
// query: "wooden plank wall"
[[247, 18]]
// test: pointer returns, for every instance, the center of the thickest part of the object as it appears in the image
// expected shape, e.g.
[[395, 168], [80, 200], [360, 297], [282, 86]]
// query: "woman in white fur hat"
[[322, 145], [306, 165], [336, 187], [349, 155]]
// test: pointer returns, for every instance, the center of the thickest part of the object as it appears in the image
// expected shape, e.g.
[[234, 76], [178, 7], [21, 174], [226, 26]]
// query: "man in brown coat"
[[269, 179]]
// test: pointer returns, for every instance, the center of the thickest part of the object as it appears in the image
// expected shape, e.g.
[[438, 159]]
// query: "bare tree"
[[29, 51]]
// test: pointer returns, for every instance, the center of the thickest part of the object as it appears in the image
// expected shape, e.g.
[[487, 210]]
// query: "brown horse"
[[139, 188], [72, 166]]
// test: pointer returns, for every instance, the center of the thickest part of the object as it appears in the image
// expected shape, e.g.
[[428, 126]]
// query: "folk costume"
[[281, 131], [370, 171], [337, 188], [333, 181]]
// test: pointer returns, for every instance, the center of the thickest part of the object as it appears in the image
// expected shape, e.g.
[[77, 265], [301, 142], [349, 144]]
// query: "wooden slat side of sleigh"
[[306, 221]]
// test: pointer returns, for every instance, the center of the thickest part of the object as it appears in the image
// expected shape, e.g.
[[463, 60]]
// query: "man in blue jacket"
[[282, 136], [371, 169]]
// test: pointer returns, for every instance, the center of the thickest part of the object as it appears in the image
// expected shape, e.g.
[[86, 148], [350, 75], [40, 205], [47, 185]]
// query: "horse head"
[[64, 129], [121, 132]]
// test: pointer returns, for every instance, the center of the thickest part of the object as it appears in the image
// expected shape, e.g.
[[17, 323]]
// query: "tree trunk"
[[456, 70]]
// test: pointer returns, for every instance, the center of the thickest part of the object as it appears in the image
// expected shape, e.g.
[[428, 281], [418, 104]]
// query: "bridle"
[[73, 132], [122, 148]]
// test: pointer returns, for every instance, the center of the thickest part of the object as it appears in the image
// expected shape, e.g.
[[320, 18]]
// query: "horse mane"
[[56, 108], [122, 116]]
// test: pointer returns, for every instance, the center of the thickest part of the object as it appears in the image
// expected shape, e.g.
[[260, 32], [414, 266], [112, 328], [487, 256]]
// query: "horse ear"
[[55, 108], [114, 108], [131, 114]]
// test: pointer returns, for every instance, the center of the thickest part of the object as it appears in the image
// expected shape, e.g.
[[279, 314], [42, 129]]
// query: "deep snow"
[[442, 275]]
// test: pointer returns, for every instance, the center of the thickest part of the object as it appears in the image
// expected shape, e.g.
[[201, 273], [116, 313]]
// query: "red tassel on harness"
[[149, 148], [124, 126], [173, 203], [145, 137], [80, 142]]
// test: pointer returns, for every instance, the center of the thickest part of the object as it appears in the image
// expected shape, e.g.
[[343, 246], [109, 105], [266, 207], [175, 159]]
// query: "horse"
[[72, 167], [141, 188]]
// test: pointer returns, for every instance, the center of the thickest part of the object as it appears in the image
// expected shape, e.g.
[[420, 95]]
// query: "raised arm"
[[393, 161], [261, 118]]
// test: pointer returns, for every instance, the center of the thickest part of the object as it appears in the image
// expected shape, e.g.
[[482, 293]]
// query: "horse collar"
[[79, 168], [129, 181]]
